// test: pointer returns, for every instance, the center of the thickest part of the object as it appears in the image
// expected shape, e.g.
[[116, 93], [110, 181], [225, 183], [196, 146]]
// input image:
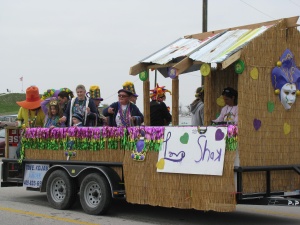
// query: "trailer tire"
[[61, 190], [95, 194]]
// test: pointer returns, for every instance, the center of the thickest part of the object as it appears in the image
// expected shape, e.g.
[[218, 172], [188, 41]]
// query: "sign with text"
[[193, 151], [14, 136], [34, 174]]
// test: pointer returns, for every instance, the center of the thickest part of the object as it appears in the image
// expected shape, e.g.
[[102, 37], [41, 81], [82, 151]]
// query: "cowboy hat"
[[33, 99]]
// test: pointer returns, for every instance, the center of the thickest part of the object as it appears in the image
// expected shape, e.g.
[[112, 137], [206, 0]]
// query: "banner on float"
[[34, 174], [193, 150]]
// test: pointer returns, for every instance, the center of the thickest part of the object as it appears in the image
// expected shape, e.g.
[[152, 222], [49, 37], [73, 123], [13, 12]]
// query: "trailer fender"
[[78, 171]]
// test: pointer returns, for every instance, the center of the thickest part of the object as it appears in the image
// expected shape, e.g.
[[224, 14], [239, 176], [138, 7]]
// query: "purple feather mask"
[[286, 79]]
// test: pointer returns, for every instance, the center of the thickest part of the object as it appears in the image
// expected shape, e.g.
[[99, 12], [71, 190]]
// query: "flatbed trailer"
[[177, 169]]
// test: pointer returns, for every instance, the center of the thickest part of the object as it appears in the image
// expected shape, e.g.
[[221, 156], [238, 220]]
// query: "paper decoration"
[[286, 128], [219, 135], [256, 124], [205, 69], [220, 101], [254, 73], [271, 106], [184, 139], [172, 72], [143, 75], [160, 164], [239, 66]]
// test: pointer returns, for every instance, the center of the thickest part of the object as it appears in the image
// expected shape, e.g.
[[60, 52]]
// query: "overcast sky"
[[63, 43]]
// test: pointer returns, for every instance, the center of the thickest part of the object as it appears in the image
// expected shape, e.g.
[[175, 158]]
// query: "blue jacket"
[[134, 111]]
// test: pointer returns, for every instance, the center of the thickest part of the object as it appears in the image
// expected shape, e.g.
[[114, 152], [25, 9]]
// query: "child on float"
[[53, 115], [77, 120]]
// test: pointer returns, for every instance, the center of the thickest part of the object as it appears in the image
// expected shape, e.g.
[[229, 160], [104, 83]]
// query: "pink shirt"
[[228, 114]]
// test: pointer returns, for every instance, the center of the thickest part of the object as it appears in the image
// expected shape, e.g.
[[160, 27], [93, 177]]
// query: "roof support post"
[[146, 90], [175, 101]]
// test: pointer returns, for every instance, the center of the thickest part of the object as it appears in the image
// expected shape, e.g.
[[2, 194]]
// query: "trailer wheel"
[[95, 195], [61, 190]]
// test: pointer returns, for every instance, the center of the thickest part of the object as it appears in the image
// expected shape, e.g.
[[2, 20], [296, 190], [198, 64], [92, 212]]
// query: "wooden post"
[[146, 90], [175, 102]]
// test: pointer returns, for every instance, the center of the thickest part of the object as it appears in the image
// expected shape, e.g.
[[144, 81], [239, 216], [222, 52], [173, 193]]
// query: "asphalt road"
[[18, 206]]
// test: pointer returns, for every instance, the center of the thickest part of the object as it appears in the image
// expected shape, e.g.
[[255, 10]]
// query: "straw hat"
[[33, 99]]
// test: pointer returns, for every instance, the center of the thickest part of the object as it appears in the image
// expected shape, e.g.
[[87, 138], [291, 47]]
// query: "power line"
[[295, 3], [257, 9]]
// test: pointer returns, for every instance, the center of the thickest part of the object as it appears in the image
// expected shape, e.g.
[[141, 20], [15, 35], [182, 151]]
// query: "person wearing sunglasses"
[[123, 112], [229, 113]]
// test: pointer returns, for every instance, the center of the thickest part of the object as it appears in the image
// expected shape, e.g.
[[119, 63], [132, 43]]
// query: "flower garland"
[[81, 138], [232, 138], [153, 137]]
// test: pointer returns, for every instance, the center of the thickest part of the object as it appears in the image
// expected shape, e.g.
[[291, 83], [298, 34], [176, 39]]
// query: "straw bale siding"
[[268, 145]]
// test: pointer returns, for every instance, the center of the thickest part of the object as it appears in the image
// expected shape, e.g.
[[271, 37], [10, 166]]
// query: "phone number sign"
[[34, 174]]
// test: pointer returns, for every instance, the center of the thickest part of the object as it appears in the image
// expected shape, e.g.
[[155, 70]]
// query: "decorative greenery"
[[71, 139]]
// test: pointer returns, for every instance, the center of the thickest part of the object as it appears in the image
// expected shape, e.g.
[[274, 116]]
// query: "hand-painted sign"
[[185, 150]]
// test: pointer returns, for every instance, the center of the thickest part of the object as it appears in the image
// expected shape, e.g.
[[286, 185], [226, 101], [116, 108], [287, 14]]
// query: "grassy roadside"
[[8, 103]]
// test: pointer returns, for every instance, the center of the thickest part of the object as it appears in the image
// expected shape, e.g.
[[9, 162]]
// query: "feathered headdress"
[[158, 91], [285, 72]]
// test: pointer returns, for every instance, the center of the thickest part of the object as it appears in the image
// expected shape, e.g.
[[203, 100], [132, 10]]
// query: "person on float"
[[77, 120], [123, 112], [197, 108], [159, 113], [30, 113], [285, 79], [95, 95], [229, 113], [54, 114], [130, 86], [63, 95], [81, 105]]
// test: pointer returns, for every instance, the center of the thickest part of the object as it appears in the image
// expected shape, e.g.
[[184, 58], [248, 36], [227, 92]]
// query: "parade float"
[[203, 168]]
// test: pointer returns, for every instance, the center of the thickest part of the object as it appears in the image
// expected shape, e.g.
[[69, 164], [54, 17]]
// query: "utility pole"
[[204, 16], [204, 24]]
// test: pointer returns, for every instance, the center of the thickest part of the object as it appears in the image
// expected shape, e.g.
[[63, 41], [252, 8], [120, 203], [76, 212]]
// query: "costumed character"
[[159, 113], [286, 79], [30, 113], [123, 112], [197, 108]]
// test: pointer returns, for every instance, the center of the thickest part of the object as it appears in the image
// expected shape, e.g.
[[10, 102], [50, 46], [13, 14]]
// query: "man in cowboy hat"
[[30, 113]]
